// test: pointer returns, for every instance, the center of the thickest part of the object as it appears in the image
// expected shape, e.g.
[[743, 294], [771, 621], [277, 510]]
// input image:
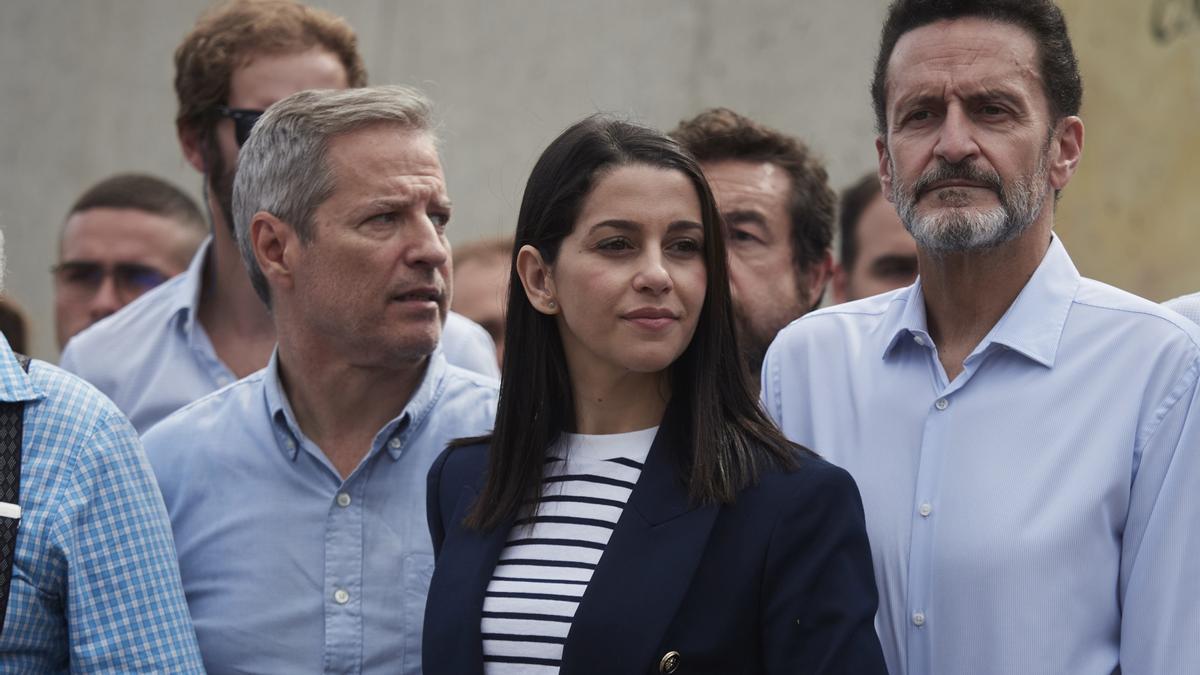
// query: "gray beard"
[[961, 229]]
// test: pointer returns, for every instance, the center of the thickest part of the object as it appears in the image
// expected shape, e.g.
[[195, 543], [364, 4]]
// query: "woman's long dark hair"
[[732, 439]]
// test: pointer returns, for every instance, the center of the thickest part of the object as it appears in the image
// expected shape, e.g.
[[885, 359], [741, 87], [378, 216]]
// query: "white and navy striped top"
[[549, 559]]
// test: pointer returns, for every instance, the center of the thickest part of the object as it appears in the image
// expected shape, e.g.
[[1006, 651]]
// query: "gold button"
[[669, 662]]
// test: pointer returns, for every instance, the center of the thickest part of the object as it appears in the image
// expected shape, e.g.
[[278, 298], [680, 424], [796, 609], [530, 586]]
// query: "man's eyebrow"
[[743, 216]]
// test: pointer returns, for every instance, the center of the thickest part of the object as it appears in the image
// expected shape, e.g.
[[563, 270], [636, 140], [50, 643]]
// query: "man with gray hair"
[[297, 495]]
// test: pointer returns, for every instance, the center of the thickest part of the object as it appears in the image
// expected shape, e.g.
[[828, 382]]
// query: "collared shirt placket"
[[931, 459], [343, 575]]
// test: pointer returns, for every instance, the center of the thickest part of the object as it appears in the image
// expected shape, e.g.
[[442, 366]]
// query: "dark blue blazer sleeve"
[[433, 505], [819, 582]]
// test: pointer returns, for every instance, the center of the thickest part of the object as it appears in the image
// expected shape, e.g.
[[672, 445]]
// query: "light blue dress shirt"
[[288, 568], [1040, 514], [95, 588], [153, 357], [1187, 305]]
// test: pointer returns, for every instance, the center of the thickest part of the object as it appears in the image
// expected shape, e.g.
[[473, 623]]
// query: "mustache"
[[965, 171]]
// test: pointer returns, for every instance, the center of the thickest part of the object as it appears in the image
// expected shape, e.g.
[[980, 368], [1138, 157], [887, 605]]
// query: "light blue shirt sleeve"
[[1159, 584]]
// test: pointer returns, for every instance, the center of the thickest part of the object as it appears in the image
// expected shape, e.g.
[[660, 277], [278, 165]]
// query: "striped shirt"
[[549, 558]]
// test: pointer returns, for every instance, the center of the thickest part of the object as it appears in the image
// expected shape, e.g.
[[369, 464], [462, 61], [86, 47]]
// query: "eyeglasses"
[[83, 279], [243, 121]]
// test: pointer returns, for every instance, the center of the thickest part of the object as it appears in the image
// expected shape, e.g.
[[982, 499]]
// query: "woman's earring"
[[551, 304]]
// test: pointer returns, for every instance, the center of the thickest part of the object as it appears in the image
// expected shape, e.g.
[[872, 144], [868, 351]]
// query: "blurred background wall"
[[86, 91]]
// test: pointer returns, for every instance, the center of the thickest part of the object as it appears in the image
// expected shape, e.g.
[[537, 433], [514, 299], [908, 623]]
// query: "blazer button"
[[669, 663]]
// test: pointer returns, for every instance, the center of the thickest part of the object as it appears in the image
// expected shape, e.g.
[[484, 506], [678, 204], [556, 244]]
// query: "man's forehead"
[[974, 52]]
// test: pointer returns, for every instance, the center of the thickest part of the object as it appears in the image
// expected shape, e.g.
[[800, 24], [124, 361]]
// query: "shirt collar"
[[1032, 325], [185, 299], [15, 384], [393, 436]]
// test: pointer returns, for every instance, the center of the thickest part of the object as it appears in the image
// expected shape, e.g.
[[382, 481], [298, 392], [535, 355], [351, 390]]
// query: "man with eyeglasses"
[[207, 327], [122, 237]]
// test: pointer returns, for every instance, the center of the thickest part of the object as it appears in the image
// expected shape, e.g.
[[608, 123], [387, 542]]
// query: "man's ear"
[[192, 141], [537, 280], [885, 167], [816, 278], [275, 245], [1067, 151]]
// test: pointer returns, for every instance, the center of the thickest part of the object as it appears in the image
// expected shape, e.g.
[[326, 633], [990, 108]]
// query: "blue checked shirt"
[[96, 587], [153, 357], [287, 567], [1039, 514]]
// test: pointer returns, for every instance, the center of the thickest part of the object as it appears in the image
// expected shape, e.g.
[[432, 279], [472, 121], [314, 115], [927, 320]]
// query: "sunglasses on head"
[[243, 121], [83, 278]]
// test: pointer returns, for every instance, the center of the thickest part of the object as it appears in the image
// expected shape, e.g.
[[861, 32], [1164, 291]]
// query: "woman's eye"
[[688, 246], [616, 244]]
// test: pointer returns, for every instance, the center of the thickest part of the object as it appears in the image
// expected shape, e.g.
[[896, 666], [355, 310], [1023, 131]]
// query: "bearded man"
[[1025, 439]]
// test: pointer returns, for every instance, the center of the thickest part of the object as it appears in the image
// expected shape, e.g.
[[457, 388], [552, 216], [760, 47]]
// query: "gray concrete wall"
[[86, 88]]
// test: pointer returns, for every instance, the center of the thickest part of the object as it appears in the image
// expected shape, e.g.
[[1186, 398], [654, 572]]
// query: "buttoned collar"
[[15, 383], [393, 436], [1032, 325]]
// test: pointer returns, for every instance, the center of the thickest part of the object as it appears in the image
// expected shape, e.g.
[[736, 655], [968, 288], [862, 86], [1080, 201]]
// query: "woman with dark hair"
[[634, 510]]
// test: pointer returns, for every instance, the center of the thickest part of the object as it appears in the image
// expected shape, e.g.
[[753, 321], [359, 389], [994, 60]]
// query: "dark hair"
[[142, 192], [14, 325], [230, 34], [720, 133], [732, 439], [1041, 18], [855, 199]]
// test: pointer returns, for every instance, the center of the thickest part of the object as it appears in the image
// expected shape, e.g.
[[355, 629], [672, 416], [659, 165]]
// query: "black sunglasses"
[[243, 121], [82, 278]]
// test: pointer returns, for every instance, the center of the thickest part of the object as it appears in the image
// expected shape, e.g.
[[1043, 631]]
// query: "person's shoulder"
[[67, 395], [1187, 305], [144, 316], [207, 420], [461, 464], [857, 316], [1153, 322], [812, 484], [461, 379]]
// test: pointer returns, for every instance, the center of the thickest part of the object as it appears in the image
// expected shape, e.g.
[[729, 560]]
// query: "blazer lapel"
[[646, 568], [466, 563]]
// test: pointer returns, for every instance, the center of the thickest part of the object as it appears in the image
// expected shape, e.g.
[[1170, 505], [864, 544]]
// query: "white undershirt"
[[548, 561]]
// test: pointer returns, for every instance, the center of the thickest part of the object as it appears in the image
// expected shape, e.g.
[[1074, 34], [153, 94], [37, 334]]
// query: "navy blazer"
[[779, 582]]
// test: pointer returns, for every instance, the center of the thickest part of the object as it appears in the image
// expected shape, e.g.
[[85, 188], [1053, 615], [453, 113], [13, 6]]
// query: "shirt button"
[[340, 596], [919, 340], [925, 509], [918, 618], [942, 404], [394, 444], [343, 499], [291, 445], [224, 380]]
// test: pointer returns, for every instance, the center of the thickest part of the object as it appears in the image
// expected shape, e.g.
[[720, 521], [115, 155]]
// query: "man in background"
[[206, 328], [876, 253], [481, 271], [297, 495], [778, 208], [124, 236], [91, 583]]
